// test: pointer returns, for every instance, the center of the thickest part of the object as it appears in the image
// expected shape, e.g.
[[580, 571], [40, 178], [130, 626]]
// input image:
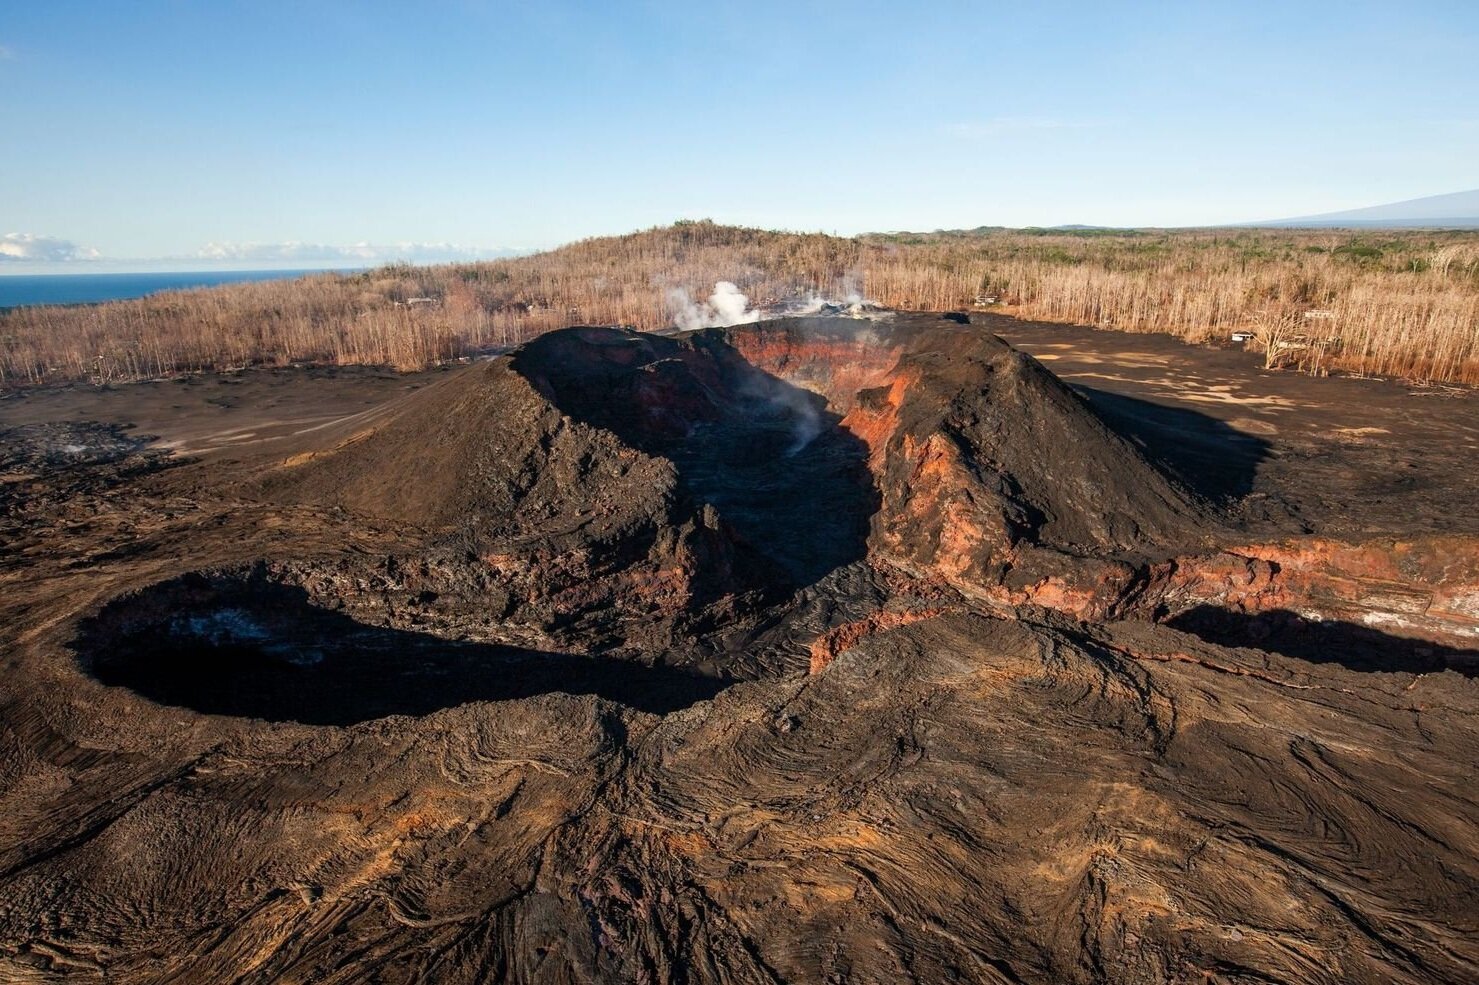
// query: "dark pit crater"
[[771, 457], [243, 644], [1324, 641]]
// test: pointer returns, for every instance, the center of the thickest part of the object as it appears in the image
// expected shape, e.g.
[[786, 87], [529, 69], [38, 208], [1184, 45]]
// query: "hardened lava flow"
[[819, 649]]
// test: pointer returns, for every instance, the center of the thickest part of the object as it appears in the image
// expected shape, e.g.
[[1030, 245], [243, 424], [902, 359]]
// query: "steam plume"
[[726, 306]]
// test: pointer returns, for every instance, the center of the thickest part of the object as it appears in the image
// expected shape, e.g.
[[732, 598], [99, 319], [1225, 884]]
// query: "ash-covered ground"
[[817, 649]]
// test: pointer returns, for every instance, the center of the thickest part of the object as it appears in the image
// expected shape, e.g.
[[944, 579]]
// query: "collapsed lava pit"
[[243, 643]]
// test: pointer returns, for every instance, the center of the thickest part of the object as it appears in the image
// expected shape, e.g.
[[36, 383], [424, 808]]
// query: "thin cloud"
[[1003, 125], [357, 252], [26, 248], [6, 53]]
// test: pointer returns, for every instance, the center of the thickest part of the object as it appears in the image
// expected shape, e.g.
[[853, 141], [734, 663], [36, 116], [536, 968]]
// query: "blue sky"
[[152, 129]]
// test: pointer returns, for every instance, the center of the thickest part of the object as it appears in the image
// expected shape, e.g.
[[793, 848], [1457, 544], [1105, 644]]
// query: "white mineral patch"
[[225, 626]]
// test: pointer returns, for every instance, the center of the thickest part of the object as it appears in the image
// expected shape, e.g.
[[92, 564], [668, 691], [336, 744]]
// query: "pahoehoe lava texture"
[[817, 650]]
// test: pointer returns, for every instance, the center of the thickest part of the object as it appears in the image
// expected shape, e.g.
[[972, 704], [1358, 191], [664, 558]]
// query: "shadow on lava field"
[[1210, 457], [1324, 641], [243, 647]]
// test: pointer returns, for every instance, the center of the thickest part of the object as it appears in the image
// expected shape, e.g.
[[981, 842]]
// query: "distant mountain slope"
[[1457, 210]]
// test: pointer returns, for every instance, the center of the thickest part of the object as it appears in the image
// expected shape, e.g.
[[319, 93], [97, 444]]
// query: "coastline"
[[81, 289]]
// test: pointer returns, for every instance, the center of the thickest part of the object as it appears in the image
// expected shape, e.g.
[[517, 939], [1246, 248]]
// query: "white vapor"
[[777, 400], [23, 247], [726, 306], [850, 305]]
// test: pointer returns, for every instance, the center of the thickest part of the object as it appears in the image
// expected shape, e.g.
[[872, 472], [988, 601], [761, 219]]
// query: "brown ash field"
[[915, 648]]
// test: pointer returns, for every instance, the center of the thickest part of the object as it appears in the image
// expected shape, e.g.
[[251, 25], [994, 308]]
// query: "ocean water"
[[24, 289]]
